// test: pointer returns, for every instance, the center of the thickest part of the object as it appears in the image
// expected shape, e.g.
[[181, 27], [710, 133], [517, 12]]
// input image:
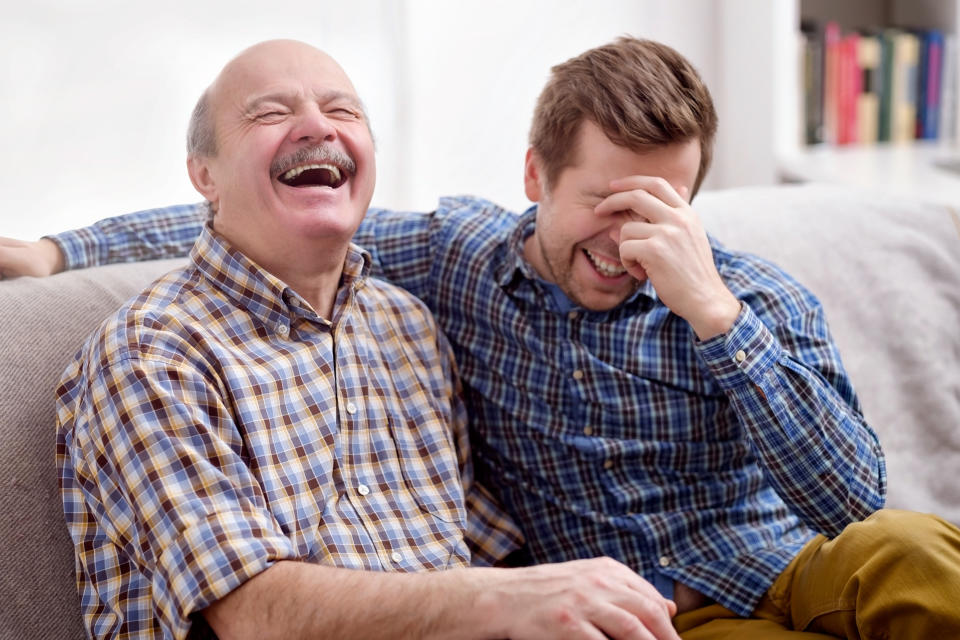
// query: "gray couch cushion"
[[888, 273], [44, 322]]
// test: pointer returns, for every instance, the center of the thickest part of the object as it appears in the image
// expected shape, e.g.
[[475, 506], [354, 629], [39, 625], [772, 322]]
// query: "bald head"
[[253, 65]]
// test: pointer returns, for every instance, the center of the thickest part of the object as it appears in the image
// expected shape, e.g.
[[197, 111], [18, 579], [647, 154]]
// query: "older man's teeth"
[[604, 266], [296, 171]]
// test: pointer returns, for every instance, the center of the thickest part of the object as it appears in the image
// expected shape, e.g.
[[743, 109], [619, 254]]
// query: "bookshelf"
[[918, 168]]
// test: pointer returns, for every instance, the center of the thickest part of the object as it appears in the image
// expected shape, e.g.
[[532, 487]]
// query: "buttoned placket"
[[360, 491]]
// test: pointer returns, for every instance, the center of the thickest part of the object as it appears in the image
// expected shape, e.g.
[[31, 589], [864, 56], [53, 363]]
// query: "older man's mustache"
[[315, 154]]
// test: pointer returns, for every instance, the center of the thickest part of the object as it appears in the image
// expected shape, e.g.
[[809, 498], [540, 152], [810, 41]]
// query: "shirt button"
[[740, 356], [351, 408], [396, 557], [588, 431], [608, 464], [363, 489], [573, 315], [578, 375], [664, 561], [283, 329]]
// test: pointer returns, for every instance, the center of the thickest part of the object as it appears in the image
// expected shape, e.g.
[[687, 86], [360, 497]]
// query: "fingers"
[[656, 186], [596, 598], [639, 611], [639, 204]]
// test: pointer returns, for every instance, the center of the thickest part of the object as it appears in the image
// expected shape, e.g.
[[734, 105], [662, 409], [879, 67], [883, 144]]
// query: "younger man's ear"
[[533, 178], [198, 167]]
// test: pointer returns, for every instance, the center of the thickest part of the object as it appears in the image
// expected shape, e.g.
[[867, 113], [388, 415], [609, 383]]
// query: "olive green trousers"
[[895, 575]]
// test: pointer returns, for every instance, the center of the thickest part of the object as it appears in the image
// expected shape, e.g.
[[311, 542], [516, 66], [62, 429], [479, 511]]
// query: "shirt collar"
[[260, 292], [516, 271]]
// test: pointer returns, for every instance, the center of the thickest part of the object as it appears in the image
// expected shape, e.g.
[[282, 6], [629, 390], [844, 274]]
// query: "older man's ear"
[[198, 167]]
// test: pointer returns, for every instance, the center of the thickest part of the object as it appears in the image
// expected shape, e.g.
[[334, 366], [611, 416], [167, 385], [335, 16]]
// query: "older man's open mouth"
[[314, 175]]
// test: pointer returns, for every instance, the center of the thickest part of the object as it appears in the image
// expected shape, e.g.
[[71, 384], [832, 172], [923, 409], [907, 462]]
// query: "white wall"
[[96, 95]]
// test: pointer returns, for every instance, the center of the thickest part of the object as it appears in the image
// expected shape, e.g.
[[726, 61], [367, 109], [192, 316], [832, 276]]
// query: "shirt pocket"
[[428, 463]]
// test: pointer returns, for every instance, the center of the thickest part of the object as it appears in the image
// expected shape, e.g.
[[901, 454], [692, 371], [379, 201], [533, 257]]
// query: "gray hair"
[[201, 137]]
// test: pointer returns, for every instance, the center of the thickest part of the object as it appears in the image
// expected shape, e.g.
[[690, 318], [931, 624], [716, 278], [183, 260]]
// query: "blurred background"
[[96, 95]]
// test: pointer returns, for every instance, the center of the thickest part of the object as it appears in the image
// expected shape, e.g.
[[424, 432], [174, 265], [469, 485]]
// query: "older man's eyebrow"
[[254, 103], [323, 97], [326, 97]]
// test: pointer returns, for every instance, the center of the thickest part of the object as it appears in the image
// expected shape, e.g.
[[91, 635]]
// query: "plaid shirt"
[[216, 425], [619, 433]]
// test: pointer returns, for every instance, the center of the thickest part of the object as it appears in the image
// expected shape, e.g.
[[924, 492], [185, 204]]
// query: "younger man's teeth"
[[606, 268], [293, 173]]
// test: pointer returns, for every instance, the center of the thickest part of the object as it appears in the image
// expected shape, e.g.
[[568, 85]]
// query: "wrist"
[[718, 318], [51, 256], [471, 604]]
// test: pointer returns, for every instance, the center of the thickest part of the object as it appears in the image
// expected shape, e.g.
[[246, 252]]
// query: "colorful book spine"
[[831, 82], [928, 123], [868, 101], [903, 105], [949, 98]]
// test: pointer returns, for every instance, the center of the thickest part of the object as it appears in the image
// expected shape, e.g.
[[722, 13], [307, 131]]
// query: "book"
[[869, 57], [812, 75], [903, 88], [928, 89], [949, 98], [831, 81], [885, 90]]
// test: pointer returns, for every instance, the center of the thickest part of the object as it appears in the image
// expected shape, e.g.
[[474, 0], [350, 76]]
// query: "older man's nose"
[[313, 125]]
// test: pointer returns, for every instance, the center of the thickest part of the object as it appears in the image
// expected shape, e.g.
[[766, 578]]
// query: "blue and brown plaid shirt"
[[618, 433], [216, 425]]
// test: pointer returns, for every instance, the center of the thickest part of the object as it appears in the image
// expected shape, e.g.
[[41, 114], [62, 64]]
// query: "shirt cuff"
[[210, 559], [745, 354], [81, 248]]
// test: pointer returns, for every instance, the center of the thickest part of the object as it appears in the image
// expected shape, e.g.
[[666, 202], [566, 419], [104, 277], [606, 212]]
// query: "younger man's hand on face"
[[21, 258], [664, 240]]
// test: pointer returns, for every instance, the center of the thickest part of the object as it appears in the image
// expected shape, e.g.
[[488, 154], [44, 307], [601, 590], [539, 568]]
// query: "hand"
[[21, 258], [664, 240], [590, 599]]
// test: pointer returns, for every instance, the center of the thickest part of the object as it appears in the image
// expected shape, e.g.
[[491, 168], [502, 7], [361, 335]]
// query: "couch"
[[886, 270]]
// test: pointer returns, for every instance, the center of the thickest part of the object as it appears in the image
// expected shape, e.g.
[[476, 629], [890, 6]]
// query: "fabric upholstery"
[[44, 322]]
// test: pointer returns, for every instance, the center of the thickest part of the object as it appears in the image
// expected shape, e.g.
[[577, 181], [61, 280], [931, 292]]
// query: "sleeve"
[[491, 535], [783, 376], [168, 232], [401, 245], [165, 515]]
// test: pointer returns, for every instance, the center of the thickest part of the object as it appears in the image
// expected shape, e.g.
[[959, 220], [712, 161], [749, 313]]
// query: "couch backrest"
[[887, 271], [42, 324]]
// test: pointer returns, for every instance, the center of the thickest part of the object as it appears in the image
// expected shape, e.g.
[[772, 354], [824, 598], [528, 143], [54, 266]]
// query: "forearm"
[[300, 600], [808, 437], [816, 451], [144, 235]]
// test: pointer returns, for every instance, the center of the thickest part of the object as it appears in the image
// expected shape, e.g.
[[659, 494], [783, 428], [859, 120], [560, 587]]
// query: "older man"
[[636, 389], [271, 443]]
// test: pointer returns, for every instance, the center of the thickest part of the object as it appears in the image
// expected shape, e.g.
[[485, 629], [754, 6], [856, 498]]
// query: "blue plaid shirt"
[[618, 433]]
